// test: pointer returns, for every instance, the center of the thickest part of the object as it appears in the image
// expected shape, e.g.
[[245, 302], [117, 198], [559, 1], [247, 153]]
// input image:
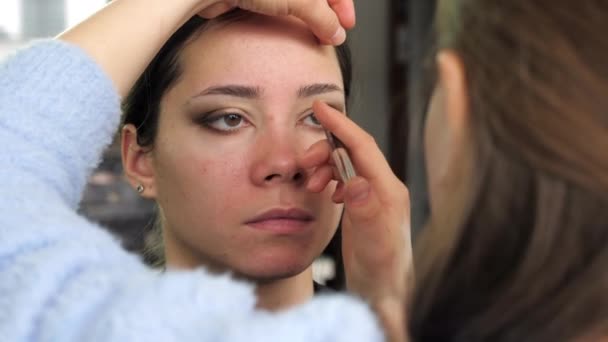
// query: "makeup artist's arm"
[[376, 224], [144, 25]]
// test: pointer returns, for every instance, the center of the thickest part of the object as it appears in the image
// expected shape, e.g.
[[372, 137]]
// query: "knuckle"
[[367, 140], [294, 7], [404, 193], [400, 196], [370, 139]]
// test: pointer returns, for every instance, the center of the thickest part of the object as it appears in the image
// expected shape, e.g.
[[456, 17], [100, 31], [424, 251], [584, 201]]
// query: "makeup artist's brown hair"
[[522, 255], [141, 107]]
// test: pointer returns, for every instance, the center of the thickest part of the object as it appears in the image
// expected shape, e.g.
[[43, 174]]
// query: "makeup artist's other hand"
[[328, 19], [376, 225]]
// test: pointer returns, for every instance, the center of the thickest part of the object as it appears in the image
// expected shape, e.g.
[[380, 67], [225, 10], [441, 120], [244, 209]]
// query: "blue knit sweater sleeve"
[[62, 278]]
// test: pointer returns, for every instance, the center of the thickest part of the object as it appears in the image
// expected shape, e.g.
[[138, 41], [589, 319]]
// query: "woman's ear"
[[137, 163], [447, 129], [452, 80]]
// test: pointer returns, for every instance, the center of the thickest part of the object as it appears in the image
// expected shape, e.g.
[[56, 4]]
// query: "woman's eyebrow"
[[232, 90], [250, 92], [318, 89]]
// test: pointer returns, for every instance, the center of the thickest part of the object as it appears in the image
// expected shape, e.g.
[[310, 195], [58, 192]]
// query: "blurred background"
[[389, 46]]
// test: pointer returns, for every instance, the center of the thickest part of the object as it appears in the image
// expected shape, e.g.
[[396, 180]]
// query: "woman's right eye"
[[225, 122]]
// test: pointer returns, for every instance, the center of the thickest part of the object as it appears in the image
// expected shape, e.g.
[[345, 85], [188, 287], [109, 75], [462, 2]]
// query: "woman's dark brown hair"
[[522, 255]]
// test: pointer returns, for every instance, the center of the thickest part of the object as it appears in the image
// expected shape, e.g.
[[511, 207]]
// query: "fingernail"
[[358, 191], [339, 37]]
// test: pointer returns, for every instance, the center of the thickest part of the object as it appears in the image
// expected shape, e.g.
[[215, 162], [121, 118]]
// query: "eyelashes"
[[313, 120], [231, 122], [226, 122]]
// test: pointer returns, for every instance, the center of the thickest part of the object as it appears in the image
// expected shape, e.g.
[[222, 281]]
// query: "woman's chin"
[[273, 268]]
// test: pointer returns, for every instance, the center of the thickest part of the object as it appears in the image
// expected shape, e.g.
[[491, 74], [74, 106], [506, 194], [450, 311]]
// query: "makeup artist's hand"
[[376, 225], [328, 19], [104, 35]]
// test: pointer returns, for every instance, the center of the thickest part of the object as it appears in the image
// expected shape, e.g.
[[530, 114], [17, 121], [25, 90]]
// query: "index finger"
[[362, 148], [325, 18], [345, 9]]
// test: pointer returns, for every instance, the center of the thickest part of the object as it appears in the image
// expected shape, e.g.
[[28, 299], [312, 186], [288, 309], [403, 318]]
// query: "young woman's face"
[[226, 175]]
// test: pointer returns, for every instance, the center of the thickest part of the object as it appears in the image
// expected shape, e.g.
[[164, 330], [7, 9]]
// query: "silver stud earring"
[[140, 188]]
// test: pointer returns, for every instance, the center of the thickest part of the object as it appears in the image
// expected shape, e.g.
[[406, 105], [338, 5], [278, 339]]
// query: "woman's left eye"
[[311, 120]]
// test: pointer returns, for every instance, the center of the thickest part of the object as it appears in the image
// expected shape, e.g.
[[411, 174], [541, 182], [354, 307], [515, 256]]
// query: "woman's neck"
[[287, 292]]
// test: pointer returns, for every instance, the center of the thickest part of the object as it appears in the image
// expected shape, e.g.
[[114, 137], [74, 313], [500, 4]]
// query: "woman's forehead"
[[252, 30], [258, 44], [252, 24]]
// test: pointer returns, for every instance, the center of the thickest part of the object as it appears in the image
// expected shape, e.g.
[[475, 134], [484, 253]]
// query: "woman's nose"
[[275, 161]]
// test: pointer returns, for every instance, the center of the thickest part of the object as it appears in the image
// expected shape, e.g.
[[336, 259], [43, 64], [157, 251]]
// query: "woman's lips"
[[282, 221]]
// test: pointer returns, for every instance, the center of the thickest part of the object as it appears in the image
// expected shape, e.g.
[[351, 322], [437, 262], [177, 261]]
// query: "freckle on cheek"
[[229, 172], [207, 167], [235, 170]]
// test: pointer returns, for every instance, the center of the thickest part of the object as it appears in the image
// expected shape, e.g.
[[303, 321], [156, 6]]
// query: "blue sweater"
[[62, 278]]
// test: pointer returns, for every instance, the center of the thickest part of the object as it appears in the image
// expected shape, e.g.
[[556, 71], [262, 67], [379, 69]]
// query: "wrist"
[[391, 312], [173, 14], [194, 7]]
